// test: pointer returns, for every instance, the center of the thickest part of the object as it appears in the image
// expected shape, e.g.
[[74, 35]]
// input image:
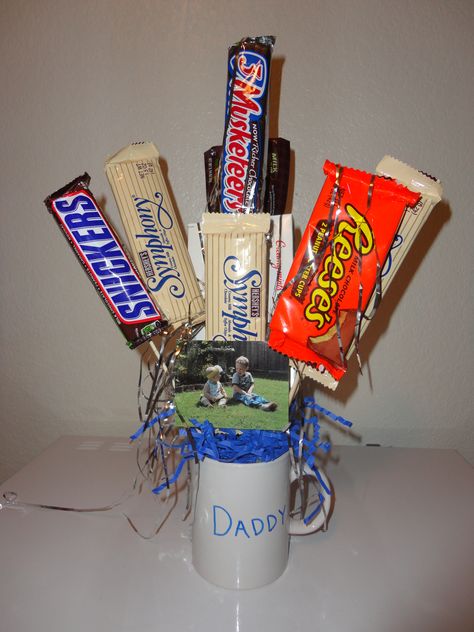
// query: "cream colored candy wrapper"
[[413, 220], [153, 230], [236, 275], [280, 256]]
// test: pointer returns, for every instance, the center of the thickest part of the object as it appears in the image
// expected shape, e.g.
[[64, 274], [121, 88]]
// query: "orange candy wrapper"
[[337, 266]]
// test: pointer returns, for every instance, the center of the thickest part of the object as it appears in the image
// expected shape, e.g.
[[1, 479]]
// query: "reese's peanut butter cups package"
[[431, 191], [337, 265]]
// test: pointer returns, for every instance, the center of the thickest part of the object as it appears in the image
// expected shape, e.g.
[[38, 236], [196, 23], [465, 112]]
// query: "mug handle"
[[298, 527]]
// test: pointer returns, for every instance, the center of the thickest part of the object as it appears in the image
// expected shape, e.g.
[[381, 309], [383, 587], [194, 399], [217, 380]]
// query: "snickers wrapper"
[[97, 247]]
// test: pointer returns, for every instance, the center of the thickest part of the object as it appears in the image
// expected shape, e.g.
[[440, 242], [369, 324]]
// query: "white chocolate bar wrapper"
[[196, 252], [153, 230], [431, 193], [196, 249], [280, 256], [236, 267]]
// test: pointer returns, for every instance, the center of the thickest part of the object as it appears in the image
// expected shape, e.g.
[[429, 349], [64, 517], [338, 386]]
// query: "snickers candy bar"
[[97, 247]]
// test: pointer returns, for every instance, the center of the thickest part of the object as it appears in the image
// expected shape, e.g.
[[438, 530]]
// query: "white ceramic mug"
[[241, 527]]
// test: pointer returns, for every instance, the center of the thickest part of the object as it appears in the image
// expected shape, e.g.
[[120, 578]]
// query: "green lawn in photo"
[[236, 414]]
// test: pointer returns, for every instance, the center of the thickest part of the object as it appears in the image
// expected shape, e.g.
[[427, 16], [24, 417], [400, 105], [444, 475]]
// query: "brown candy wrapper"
[[212, 159], [278, 173]]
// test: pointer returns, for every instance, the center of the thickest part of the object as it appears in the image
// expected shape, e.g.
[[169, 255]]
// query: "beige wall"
[[359, 79]]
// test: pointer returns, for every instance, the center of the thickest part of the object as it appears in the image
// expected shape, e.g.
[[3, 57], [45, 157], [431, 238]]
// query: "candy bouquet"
[[237, 283]]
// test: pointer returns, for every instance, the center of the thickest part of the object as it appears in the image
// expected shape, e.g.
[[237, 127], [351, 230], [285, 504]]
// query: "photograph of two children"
[[233, 385]]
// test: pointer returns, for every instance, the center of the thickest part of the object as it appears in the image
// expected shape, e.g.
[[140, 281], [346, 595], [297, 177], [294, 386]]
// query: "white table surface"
[[398, 554]]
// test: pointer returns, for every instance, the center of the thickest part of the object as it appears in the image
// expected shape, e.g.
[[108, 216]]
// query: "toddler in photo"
[[213, 391], [243, 385]]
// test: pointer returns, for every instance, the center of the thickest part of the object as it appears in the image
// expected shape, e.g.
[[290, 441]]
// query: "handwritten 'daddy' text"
[[224, 523]]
